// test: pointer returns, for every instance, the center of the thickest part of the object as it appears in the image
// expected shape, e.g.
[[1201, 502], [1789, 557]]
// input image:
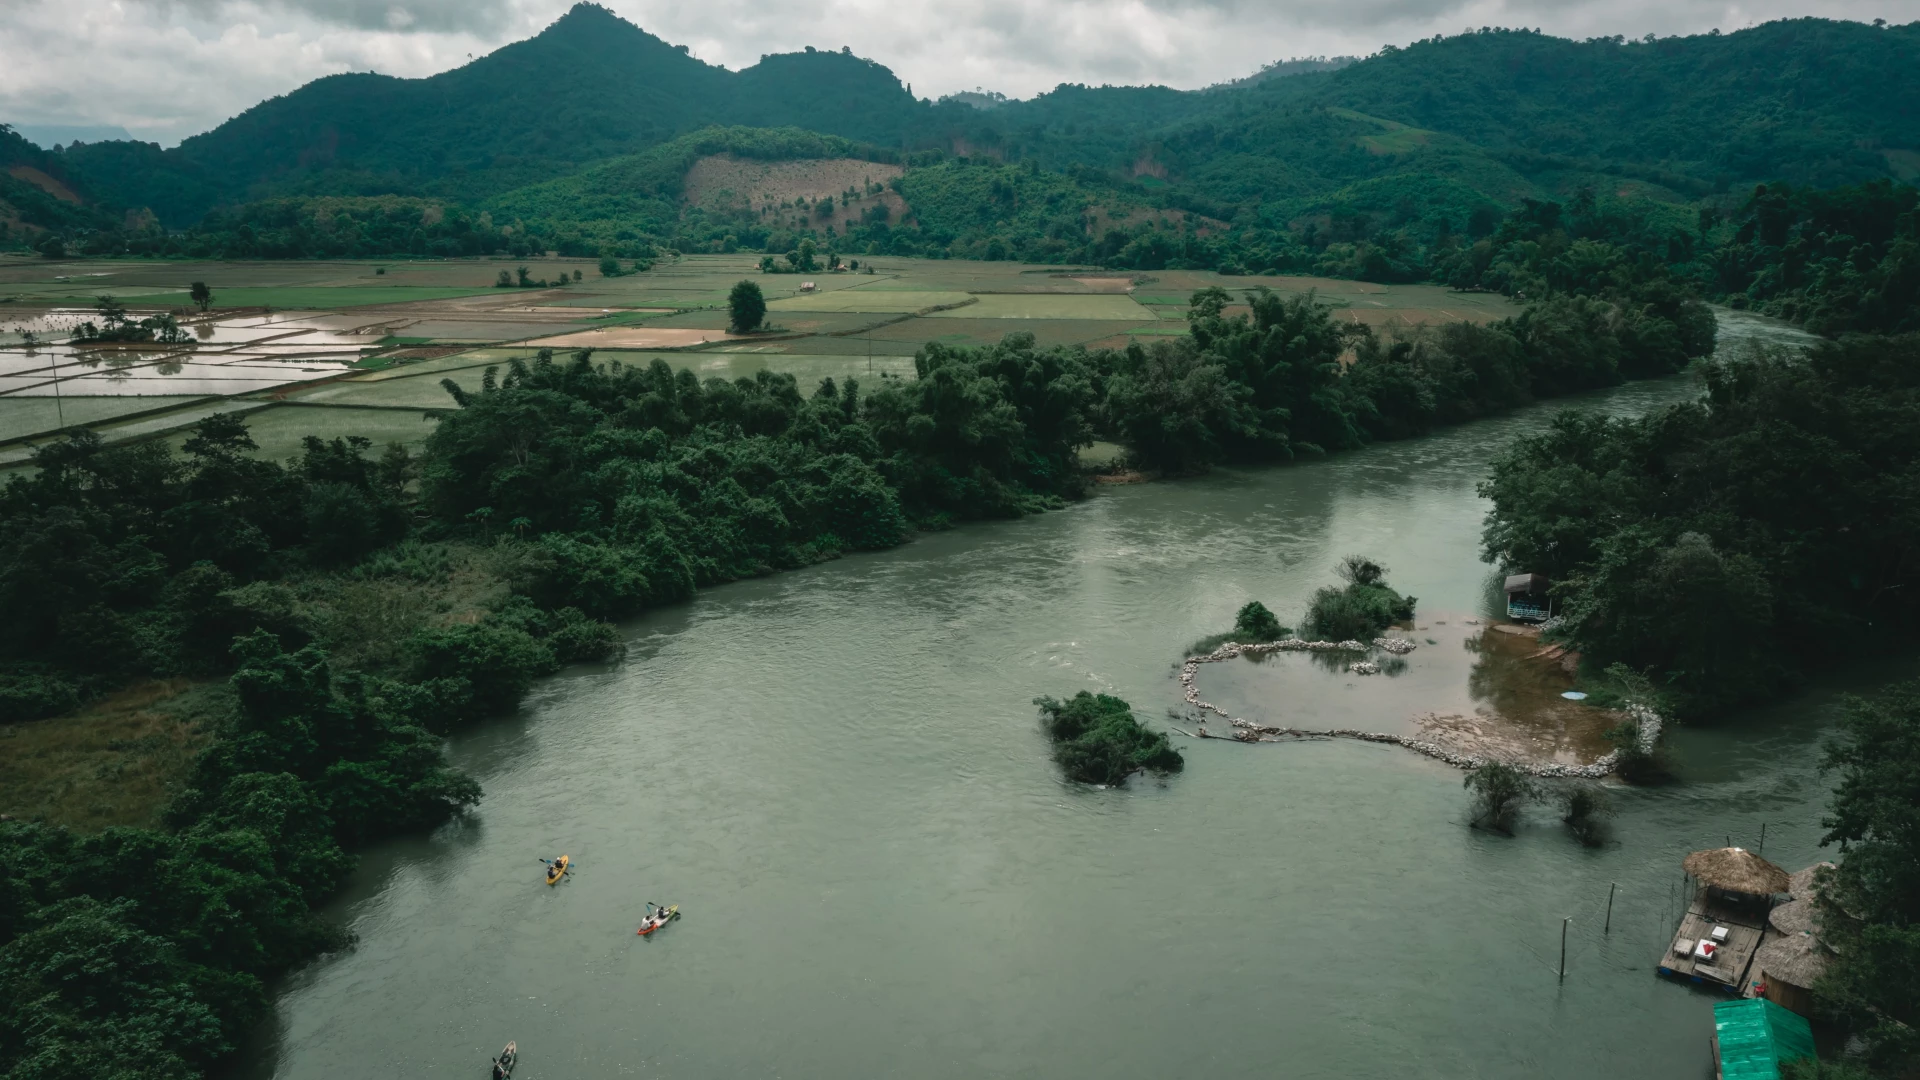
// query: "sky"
[[167, 69]]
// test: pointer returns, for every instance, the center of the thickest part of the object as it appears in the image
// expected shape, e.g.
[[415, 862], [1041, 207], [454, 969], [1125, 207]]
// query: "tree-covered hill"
[[1504, 112], [589, 87]]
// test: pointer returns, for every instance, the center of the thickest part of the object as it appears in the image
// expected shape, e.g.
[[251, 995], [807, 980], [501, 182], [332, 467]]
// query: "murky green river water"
[[839, 777]]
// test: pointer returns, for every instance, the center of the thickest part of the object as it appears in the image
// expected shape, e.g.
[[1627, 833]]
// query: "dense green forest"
[[1727, 544], [1384, 168]]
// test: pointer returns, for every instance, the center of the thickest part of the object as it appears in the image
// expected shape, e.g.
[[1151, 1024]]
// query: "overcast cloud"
[[166, 69]]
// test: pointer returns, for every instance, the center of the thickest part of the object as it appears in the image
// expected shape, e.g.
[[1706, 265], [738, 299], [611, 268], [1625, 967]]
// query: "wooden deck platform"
[[1729, 967]]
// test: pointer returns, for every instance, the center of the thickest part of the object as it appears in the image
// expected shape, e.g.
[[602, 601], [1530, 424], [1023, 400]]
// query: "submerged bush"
[[1585, 808], [1499, 790], [1096, 739]]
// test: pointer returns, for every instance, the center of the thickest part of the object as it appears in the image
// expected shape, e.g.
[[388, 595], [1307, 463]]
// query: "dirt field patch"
[[634, 337], [723, 180], [44, 182]]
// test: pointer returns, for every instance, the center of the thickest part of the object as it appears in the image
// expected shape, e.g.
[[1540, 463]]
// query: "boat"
[[503, 1065], [658, 919], [557, 869]]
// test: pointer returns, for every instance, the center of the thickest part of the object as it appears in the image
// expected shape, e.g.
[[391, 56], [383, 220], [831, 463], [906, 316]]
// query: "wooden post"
[[1762, 849], [1611, 885], [1563, 947]]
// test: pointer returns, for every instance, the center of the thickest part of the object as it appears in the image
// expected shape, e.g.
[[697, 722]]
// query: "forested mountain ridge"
[[589, 87], [1808, 101]]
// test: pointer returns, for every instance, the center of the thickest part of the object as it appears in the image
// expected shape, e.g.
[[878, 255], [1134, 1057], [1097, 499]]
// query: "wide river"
[[839, 777]]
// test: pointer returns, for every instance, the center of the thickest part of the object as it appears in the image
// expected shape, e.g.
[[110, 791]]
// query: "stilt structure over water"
[[1726, 922]]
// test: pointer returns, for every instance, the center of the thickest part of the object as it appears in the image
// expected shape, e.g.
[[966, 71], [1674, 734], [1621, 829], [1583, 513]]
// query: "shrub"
[[1097, 740], [1256, 623], [1499, 790], [1585, 808], [479, 668], [608, 580], [1363, 608], [29, 694]]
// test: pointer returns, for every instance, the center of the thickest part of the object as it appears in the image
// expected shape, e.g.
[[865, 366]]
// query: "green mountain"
[[1439, 128], [589, 87]]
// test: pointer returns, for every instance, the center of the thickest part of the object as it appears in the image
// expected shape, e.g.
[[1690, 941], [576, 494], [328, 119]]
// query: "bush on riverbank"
[[1360, 609], [1096, 739]]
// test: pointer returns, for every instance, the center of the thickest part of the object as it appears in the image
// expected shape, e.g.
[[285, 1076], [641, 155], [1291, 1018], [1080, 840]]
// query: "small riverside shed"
[[1753, 1037], [1527, 599]]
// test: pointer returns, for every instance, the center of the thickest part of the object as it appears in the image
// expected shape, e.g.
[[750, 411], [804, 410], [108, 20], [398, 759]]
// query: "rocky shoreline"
[[1247, 731]]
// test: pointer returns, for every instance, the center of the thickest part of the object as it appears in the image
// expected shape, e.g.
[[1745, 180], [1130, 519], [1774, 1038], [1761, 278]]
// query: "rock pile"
[[1649, 722]]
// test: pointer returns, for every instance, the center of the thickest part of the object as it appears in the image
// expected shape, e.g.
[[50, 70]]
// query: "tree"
[[746, 308], [1256, 623], [1097, 740], [201, 294], [1498, 792], [1870, 902], [503, 281], [609, 266]]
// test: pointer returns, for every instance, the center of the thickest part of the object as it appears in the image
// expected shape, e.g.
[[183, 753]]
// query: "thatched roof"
[[1794, 917], [1736, 870], [1796, 959], [1801, 883]]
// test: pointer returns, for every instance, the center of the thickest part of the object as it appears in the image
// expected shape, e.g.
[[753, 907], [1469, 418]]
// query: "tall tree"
[[746, 308]]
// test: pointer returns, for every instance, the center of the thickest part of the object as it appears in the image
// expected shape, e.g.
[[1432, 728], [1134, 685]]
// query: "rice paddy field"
[[361, 348]]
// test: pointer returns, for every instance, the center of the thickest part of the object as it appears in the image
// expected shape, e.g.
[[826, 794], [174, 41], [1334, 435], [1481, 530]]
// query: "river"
[[838, 774]]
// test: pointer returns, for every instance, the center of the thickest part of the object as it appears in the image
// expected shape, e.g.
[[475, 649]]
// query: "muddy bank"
[[1536, 730]]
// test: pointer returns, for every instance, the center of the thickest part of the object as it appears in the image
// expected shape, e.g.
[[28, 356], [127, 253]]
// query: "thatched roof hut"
[[1736, 870], [1795, 917], [1795, 958], [1800, 885]]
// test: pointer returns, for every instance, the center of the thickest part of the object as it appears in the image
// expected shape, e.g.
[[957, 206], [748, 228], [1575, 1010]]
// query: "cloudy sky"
[[166, 69]]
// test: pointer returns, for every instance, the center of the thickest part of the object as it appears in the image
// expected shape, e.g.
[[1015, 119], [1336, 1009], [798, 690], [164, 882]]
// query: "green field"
[[1050, 306], [857, 325], [306, 298], [899, 302]]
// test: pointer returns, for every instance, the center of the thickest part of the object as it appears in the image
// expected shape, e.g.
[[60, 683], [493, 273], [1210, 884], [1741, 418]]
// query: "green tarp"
[[1756, 1036]]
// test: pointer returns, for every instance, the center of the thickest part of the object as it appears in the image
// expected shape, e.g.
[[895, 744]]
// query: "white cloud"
[[181, 66]]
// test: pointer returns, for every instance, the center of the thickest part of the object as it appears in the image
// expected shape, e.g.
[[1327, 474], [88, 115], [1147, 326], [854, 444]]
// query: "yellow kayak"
[[557, 870]]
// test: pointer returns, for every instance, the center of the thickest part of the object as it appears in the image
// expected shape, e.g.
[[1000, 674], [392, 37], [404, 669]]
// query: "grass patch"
[[396, 339], [315, 297], [116, 762]]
